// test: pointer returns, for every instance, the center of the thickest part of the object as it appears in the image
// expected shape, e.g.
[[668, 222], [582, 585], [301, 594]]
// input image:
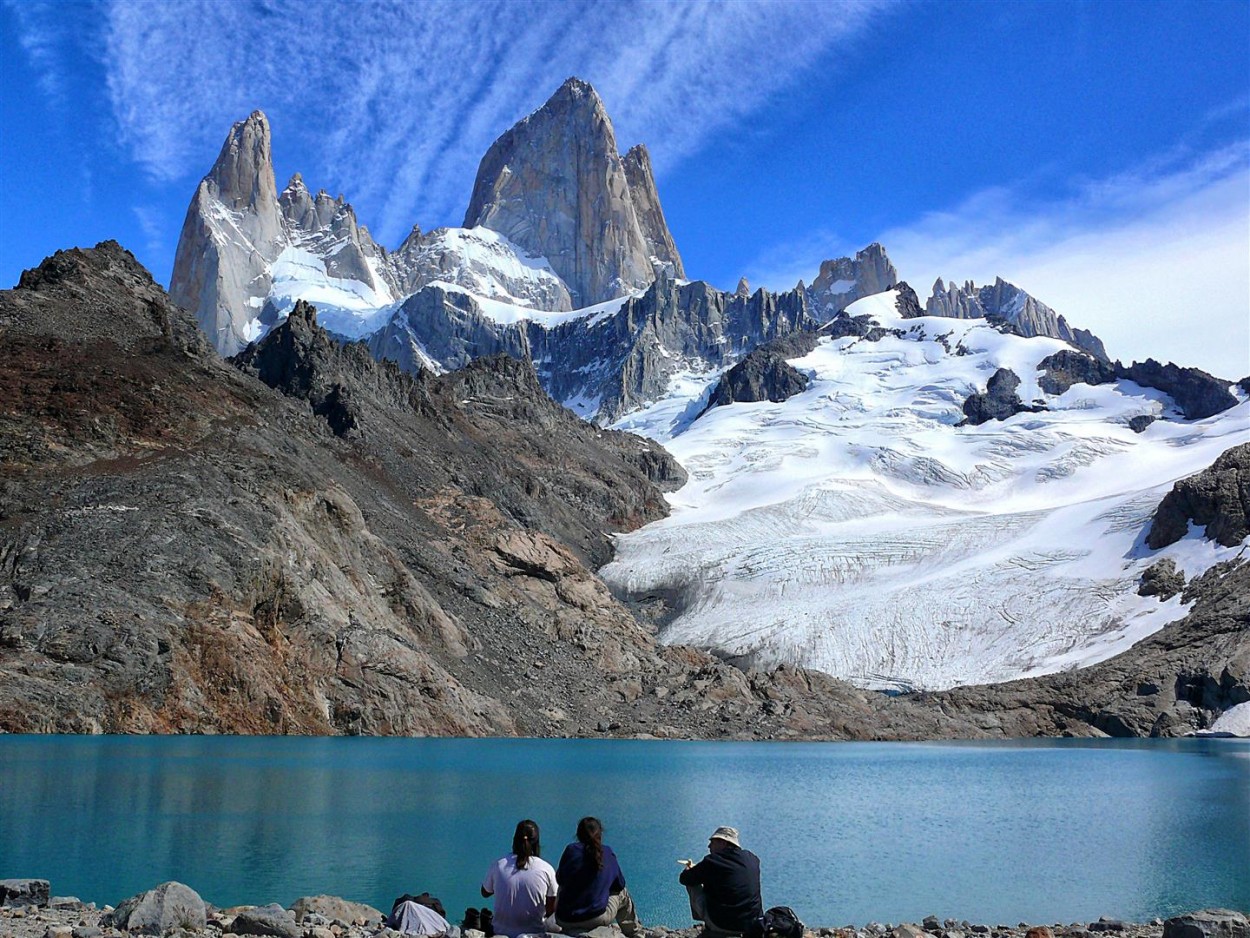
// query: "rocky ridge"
[[1022, 313], [558, 220]]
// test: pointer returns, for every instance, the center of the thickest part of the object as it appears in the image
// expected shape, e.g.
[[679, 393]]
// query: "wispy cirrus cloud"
[[394, 103], [1156, 261]]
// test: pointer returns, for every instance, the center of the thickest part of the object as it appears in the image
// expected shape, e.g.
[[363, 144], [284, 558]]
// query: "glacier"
[[858, 530]]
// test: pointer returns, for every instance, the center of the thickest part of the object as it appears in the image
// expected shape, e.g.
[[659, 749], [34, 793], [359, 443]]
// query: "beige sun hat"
[[727, 834]]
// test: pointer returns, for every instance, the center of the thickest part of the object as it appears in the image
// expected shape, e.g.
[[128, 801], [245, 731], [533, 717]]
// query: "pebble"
[[83, 921]]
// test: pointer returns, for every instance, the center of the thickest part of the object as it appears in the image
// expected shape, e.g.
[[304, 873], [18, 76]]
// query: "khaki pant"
[[620, 910], [698, 910]]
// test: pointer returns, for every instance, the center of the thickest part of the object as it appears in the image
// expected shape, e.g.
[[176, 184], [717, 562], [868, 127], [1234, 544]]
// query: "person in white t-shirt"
[[523, 884]]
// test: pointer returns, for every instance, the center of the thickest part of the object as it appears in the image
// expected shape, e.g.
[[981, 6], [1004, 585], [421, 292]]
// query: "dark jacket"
[[731, 882], [584, 891]]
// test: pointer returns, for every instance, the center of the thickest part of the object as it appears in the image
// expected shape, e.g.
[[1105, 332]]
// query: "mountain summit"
[[555, 185], [233, 227]]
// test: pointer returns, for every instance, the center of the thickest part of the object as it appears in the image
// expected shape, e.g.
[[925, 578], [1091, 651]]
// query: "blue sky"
[[1097, 154]]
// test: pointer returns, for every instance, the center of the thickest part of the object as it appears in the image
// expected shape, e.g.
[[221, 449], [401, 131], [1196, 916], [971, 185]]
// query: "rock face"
[[1068, 367], [1196, 393], [168, 906], [556, 185], [483, 262], [1023, 314], [1161, 579], [602, 365], [1218, 498], [765, 375], [626, 359], [232, 230], [237, 228], [907, 303], [844, 280], [999, 401]]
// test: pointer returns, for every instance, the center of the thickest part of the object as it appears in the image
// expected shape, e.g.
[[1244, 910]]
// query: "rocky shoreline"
[[28, 910]]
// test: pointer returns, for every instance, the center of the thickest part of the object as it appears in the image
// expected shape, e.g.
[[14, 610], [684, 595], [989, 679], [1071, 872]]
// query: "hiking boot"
[[487, 919], [471, 920]]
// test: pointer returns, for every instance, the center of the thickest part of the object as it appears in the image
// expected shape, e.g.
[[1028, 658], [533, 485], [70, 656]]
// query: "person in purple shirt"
[[592, 886]]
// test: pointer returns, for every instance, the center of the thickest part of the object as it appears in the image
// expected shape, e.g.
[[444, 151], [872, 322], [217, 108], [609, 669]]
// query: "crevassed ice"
[[855, 529]]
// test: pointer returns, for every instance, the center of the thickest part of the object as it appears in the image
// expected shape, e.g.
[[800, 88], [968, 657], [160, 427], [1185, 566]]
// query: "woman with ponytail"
[[523, 884], [592, 886]]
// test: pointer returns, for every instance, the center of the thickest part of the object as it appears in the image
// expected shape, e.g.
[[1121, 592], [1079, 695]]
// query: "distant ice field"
[[857, 530]]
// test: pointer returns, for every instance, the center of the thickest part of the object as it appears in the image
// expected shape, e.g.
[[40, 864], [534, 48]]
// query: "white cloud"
[[1156, 262], [393, 104], [42, 36]]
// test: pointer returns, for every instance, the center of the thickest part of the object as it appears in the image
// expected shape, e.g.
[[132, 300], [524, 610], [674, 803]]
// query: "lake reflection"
[[847, 832]]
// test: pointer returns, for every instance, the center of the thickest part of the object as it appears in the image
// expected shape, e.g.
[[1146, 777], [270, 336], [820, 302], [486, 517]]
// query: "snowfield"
[[857, 530]]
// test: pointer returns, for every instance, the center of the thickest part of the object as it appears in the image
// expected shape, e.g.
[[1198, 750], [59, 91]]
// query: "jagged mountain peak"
[[577, 89], [556, 185], [843, 280], [243, 173], [1023, 313]]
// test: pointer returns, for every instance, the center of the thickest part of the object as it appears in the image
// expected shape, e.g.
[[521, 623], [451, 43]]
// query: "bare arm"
[[485, 894]]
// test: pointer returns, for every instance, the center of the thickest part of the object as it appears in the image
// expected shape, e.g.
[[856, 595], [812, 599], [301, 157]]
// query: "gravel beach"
[[28, 910]]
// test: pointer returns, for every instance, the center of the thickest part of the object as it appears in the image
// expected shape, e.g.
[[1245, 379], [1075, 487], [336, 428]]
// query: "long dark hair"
[[525, 843], [590, 834]]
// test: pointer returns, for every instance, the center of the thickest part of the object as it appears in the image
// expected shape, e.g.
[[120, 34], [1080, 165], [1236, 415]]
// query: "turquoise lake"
[[847, 833]]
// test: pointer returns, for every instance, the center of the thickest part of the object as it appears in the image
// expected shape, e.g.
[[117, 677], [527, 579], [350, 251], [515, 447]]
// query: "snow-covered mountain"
[[557, 218], [902, 496], [859, 529]]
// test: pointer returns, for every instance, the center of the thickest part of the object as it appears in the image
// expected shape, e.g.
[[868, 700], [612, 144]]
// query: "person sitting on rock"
[[421, 915], [592, 886], [523, 884], [724, 886]]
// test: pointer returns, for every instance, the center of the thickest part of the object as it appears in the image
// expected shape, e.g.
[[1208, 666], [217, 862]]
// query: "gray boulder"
[[169, 905], [1218, 498], [335, 910], [1208, 923], [272, 920], [15, 892]]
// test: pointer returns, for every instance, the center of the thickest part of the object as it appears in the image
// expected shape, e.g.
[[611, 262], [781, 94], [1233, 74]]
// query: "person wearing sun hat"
[[724, 886]]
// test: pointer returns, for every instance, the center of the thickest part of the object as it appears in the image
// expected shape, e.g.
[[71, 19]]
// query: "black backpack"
[[778, 922]]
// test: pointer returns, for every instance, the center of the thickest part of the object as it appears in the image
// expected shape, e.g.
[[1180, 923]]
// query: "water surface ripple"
[[1045, 831]]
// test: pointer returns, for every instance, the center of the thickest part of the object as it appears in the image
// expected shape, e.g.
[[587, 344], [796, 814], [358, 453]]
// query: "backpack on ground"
[[778, 922]]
